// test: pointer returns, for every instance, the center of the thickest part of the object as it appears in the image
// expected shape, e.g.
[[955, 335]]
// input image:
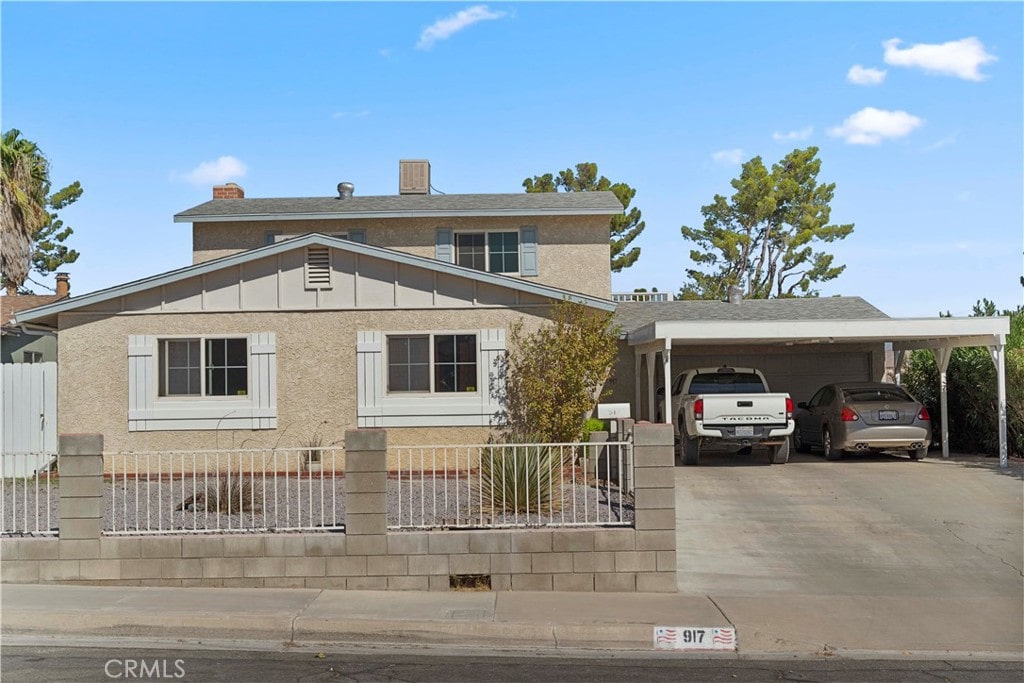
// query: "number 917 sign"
[[694, 638]]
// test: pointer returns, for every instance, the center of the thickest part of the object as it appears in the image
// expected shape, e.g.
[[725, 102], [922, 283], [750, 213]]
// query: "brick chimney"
[[228, 191], [63, 285]]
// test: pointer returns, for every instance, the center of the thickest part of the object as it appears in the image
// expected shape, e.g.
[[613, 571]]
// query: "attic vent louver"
[[318, 268]]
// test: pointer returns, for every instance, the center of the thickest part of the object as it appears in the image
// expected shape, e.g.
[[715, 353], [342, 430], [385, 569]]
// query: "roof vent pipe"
[[735, 294], [345, 190]]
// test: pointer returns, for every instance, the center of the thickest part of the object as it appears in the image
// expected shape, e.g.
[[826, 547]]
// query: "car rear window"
[[877, 395], [727, 383]]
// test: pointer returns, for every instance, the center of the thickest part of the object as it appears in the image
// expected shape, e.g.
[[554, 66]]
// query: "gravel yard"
[[286, 504]]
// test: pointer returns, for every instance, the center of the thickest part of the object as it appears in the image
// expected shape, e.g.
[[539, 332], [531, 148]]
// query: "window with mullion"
[[204, 367], [470, 250], [503, 252], [409, 363]]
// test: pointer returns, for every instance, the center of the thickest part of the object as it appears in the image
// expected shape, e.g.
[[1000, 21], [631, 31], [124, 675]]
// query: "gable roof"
[[634, 315], [48, 313], [404, 206]]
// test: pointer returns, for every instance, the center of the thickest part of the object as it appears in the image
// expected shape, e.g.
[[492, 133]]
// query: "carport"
[[845, 327]]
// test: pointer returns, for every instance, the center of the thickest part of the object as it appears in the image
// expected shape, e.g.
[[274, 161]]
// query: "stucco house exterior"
[[317, 315]]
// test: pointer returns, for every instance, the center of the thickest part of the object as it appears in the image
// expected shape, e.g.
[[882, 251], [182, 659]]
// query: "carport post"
[[998, 353], [942, 359], [650, 386], [667, 366], [636, 381]]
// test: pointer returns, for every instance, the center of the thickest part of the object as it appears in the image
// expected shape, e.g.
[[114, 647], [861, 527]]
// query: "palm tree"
[[23, 186]]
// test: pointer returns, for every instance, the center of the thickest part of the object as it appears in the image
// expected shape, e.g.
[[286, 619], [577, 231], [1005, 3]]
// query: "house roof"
[[634, 315], [9, 305], [404, 206], [47, 314]]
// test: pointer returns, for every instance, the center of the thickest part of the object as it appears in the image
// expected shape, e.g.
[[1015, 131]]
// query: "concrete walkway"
[[771, 626]]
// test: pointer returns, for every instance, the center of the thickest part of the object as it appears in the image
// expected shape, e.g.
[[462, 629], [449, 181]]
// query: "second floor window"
[[494, 252]]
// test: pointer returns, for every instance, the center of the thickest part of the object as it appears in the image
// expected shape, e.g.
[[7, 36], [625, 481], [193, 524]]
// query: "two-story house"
[[316, 315]]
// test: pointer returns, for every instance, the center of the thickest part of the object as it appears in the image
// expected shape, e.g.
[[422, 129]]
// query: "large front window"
[[204, 367], [494, 252], [439, 363]]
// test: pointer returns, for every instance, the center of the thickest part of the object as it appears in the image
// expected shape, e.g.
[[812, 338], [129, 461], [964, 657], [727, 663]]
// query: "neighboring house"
[[325, 314], [25, 343]]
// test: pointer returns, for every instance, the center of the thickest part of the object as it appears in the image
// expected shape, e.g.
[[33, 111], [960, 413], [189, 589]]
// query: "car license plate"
[[744, 431], [888, 414]]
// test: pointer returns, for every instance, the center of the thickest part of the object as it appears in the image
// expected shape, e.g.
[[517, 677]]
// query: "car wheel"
[[826, 446], [779, 455], [798, 442], [918, 453]]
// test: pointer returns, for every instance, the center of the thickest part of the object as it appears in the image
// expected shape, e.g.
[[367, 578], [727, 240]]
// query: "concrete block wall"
[[367, 555]]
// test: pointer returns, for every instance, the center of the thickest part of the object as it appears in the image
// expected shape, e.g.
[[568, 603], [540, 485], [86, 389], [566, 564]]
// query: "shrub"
[[520, 477], [972, 392], [555, 375], [592, 425]]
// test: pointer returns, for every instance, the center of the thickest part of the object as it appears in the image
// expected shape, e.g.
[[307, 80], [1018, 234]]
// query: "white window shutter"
[[369, 378], [492, 351], [263, 374], [141, 378]]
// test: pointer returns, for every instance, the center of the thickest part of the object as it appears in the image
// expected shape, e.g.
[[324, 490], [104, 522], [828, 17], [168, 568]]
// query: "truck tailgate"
[[730, 410]]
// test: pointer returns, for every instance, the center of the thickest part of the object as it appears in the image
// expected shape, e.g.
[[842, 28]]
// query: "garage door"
[[798, 374]]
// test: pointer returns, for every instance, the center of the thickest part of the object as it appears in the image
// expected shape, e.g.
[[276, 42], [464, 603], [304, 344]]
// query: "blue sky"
[[917, 109]]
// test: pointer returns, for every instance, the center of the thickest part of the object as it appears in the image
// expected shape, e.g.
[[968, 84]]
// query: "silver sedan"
[[862, 416]]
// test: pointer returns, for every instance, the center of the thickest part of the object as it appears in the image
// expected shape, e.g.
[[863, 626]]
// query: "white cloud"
[[939, 144], [728, 157], [443, 29], [960, 58], [384, 52], [864, 75], [870, 126], [801, 134], [350, 115], [221, 170]]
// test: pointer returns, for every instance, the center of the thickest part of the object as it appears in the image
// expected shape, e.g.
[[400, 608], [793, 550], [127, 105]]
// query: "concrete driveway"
[[871, 552]]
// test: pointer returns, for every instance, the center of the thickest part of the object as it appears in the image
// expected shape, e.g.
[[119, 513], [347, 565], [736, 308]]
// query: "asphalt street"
[[84, 665]]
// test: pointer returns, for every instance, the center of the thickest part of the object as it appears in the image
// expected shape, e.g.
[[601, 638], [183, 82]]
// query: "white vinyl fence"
[[225, 490], [28, 431], [511, 485]]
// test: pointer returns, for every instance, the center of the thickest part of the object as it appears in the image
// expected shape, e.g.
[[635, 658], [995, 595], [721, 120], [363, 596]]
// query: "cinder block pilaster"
[[654, 470], [366, 480], [80, 466]]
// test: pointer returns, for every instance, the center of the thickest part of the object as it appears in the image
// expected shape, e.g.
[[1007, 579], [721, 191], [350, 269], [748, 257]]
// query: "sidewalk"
[[770, 626]]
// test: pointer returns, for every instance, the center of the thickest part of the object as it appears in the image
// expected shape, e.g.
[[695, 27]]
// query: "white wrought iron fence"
[[511, 485], [225, 491], [30, 497]]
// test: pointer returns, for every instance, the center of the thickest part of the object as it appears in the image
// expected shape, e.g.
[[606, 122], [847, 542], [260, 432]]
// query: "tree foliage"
[[33, 234], [556, 374], [623, 229], [763, 237], [971, 389]]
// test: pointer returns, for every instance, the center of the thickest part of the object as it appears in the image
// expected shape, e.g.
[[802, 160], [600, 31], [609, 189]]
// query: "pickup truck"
[[729, 408]]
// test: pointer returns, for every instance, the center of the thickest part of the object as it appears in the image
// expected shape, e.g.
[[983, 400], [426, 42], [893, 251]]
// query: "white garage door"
[[798, 374]]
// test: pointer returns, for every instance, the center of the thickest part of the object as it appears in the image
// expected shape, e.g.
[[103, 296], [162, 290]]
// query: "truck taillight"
[[923, 415], [698, 409], [789, 408], [848, 414]]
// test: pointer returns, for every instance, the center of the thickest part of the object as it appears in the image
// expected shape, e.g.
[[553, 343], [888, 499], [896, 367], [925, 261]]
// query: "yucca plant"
[[520, 477], [229, 497]]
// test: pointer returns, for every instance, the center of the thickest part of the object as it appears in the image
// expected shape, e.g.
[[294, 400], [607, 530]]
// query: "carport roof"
[[634, 315]]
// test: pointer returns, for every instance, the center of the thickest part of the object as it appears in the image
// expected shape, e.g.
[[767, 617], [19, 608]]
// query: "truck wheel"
[[779, 455], [691, 449], [826, 446], [918, 453]]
